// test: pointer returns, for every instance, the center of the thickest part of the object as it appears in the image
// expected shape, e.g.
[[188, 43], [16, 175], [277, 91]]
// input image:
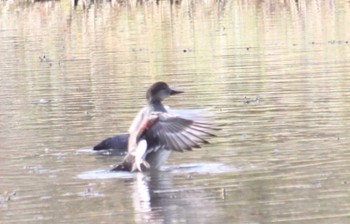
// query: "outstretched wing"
[[177, 133]]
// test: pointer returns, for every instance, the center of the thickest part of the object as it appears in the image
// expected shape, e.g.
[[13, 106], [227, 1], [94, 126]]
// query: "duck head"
[[159, 91]]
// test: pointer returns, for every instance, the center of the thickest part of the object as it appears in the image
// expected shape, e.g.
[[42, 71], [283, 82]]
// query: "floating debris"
[[247, 100], [8, 196], [43, 58], [42, 102]]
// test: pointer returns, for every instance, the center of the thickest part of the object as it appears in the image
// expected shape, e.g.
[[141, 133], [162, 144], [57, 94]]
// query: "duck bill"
[[174, 92]]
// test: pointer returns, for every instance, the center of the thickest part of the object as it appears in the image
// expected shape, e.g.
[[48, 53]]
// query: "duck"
[[157, 130], [118, 144]]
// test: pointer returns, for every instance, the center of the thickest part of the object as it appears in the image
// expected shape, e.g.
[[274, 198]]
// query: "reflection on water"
[[205, 168], [154, 198], [274, 72], [153, 202]]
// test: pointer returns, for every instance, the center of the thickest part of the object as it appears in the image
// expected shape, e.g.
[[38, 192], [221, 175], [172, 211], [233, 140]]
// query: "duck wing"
[[177, 133]]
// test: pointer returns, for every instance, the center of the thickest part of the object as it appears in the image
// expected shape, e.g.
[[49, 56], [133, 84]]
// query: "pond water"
[[276, 74]]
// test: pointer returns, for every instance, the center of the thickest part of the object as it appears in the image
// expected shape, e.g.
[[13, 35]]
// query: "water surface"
[[274, 73]]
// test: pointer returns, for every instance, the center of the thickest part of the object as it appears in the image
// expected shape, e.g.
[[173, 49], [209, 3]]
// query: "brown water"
[[276, 73]]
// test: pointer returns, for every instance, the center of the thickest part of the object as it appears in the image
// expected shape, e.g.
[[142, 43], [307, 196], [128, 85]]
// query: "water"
[[274, 73]]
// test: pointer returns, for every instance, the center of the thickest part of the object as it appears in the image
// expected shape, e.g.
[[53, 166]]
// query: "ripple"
[[200, 168], [105, 174], [86, 151], [106, 152]]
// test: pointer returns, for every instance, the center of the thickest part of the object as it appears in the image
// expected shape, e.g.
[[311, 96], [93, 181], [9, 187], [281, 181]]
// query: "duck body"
[[115, 146]]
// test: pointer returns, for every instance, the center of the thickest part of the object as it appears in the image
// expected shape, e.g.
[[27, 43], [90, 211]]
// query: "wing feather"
[[177, 133]]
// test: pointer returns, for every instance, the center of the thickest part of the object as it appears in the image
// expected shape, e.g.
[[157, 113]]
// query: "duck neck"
[[157, 105]]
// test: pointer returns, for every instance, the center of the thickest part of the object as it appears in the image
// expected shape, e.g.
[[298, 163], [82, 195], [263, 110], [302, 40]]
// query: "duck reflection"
[[156, 199]]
